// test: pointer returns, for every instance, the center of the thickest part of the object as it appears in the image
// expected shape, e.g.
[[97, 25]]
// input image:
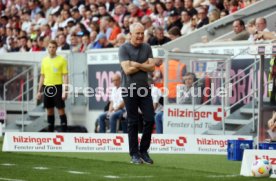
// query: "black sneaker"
[[135, 159], [146, 159]]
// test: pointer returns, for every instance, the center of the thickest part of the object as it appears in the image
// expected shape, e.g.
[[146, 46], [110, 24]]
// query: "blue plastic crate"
[[267, 146], [235, 148]]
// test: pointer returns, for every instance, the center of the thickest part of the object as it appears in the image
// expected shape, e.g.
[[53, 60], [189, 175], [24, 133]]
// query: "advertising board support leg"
[[260, 97], [222, 102]]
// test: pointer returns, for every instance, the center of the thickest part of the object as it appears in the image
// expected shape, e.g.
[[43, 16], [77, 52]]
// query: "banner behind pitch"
[[82, 142]]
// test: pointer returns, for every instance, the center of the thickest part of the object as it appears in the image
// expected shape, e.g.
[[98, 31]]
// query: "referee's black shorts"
[[53, 97]]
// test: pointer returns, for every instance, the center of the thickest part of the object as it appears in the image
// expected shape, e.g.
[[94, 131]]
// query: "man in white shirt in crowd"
[[116, 107], [261, 26]]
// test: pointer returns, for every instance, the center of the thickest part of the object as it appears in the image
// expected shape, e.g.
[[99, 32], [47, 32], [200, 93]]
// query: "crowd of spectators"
[[79, 25]]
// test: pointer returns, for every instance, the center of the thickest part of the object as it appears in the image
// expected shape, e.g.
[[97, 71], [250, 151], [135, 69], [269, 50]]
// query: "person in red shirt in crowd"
[[115, 30], [145, 8], [135, 11], [234, 6]]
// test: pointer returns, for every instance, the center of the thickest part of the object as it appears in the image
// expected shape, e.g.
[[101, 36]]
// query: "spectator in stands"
[[2, 47], [93, 37], [45, 30], [116, 107], [54, 74], [33, 5], [240, 31], [174, 20], [120, 40], [85, 43], [34, 46], [23, 44], [156, 96], [145, 8], [102, 10], [157, 76], [159, 16], [261, 24], [251, 29], [101, 42], [81, 29], [189, 93], [46, 41], [104, 27], [76, 15], [40, 43], [169, 5], [190, 8], [74, 46], [202, 18], [126, 24], [213, 5], [159, 122], [234, 6], [186, 23], [115, 30], [62, 44], [224, 13], [174, 33], [272, 122], [176, 70], [179, 6], [158, 37], [14, 45], [214, 15], [66, 17], [157, 79], [40, 19], [147, 23], [26, 21], [119, 13], [226, 4], [135, 11]]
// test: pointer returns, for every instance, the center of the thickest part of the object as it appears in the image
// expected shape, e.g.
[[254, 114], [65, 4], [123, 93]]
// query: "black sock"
[[63, 121], [51, 123]]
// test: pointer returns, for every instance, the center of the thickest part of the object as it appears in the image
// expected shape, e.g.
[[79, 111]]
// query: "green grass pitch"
[[113, 166]]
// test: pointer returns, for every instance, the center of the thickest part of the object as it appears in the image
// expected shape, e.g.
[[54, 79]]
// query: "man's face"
[[188, 4], [52, 48], [73, 40], [237, 28], [102, 10], [185, 17], [201, 14], [61, 40], [23, 42], [159, 34], [116, 81], [137, 36], [169, 4], [189, 80], [260, 24]]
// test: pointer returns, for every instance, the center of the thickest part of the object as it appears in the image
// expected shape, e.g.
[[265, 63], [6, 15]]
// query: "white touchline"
[[9, 179], [77, 172], [222, 176], [139, 176], [115, 177], [111, 176], [7, 164], [40, 168]]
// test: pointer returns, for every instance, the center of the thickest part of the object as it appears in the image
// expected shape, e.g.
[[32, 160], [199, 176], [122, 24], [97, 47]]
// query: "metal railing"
[[25, 91], [225, 84]]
